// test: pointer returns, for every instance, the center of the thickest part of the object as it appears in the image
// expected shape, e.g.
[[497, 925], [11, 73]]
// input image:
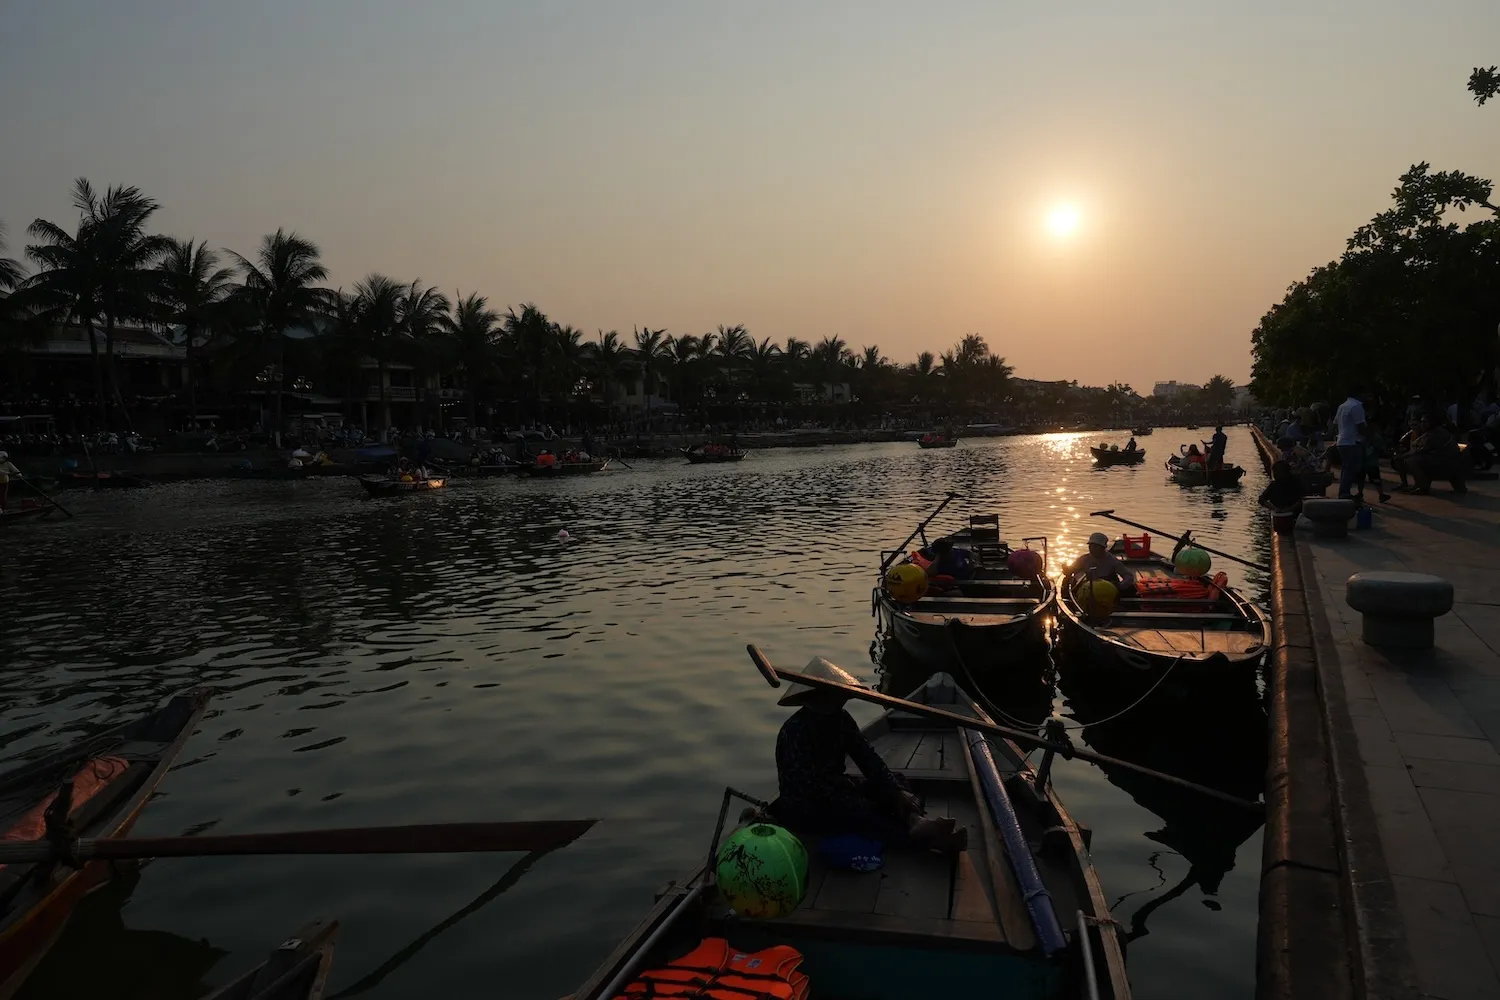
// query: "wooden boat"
[[1141, 431], [99, 481], [385, 486], [111, 776], [698, 456], [567, 468], [986, 622], [1018, 914], [1229, 475], [296, 970], [1202, 630], [25, 507], [936, 441], [1117, 456]]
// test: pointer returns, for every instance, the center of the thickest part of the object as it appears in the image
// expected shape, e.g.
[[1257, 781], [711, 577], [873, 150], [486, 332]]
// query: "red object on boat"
[[1136, 546]]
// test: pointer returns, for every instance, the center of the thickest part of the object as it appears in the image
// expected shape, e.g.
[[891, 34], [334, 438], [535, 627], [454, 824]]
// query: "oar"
[[886, 564], [1177, 538], [775, 675], [43, 494], [441, 838]]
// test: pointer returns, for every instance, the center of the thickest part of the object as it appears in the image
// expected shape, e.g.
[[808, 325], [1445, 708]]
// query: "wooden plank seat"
[[1187, 620], [977, 602]]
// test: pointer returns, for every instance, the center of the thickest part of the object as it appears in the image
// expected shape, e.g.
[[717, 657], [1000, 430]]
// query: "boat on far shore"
[[385, 486]]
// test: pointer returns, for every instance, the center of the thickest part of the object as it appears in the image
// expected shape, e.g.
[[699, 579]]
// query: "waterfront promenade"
[[1412, 746]]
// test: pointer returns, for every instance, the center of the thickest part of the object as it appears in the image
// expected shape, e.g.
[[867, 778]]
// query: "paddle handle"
[[441, 838]]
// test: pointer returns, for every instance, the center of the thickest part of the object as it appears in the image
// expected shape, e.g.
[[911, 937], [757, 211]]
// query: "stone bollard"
[[1399, 608], [1330, 518]]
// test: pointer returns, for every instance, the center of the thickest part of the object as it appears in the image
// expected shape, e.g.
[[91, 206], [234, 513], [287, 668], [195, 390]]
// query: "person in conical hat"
[[817, 797]]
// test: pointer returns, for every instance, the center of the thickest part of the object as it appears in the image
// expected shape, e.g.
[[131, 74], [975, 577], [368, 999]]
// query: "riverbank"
[[1408, 743]]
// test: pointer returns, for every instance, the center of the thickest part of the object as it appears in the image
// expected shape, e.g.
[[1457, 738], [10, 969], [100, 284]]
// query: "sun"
[[1063, 220]]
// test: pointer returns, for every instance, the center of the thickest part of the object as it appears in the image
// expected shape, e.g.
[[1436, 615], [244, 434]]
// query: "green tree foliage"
[[1484, 83], [1411, 306]]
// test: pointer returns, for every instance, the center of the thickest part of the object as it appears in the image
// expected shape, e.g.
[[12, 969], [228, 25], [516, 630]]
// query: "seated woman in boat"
[[1098, 563], [1285, 492], [1191, 456], [817, 797]]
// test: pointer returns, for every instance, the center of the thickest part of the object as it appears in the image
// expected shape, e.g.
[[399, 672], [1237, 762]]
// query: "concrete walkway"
[[1426, 730]]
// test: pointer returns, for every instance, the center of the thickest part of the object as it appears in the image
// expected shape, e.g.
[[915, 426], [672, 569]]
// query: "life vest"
[[714, 969], [1181, 588]]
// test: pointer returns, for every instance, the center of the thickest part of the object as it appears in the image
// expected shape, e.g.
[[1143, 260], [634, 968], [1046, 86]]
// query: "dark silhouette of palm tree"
[[473, 330], [377, 310], [280, 288], [423, 314], [193, 291]]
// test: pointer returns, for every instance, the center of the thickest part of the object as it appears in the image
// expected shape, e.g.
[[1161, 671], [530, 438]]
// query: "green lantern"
[[762, 871]]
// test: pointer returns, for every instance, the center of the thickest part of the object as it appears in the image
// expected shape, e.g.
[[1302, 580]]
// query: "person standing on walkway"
[[1350, 419]]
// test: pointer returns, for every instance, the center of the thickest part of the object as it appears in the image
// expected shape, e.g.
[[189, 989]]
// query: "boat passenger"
[[817, 797], [1285, 492], [1098, 563]]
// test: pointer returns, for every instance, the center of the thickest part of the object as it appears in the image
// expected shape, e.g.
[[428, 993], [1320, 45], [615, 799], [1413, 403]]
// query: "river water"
[[447, 658]]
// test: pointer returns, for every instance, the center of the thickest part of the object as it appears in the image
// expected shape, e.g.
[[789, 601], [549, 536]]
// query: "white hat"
[[800, 694], [1099, 538]]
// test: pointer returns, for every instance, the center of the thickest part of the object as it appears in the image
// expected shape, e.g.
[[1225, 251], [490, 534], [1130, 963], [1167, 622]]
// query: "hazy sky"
[[877, 170]]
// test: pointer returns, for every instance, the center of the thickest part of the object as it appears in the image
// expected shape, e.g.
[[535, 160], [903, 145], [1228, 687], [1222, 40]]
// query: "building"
[[1172, 390]]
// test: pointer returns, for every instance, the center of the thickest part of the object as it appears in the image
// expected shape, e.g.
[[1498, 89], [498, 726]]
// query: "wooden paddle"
[[43, 494], [440, 838], [969, 722], [1177, 538]]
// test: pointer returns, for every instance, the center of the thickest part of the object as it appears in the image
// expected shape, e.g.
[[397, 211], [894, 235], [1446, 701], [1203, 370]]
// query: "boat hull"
[[983, 650], [22, 510], [949, 443], [565, 469], [699, 458], [37, 916], [395, 488], [1109, 456]]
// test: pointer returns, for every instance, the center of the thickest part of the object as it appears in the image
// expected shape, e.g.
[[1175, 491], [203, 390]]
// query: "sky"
[[880, 171]]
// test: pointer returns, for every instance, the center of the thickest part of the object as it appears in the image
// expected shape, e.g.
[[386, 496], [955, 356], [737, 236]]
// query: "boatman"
[[1098, 563], [817, 797], [7, 469], [1216, 446]]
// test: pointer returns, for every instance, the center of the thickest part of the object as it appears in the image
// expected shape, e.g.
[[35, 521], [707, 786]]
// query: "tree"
[[611, 360], [765, 360], [377, 319], [423, 313], [100, 271], [10, 270], [1218, 393], [473, 329], [1484, 84], [529, 335], [651, 348], [193, 289], [280, 291]]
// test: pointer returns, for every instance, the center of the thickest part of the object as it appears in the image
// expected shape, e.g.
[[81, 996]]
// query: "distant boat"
[[1118, 456], [385, 486], [708, 454], [936, 441], [1141, 432], [560, 468]]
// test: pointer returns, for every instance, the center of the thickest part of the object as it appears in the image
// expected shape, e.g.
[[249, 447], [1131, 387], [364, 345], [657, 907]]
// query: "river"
[[446, 657]]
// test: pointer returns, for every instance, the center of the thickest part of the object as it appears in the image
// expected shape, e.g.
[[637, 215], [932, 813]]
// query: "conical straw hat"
[[800, 694]]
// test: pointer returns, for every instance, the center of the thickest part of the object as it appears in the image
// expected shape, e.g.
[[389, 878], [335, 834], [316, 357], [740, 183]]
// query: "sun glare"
[[1062, 220]]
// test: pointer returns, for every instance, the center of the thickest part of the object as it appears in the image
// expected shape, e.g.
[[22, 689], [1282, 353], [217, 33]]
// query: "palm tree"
[[377, 308], [473, 329], [529, 334], [280, 288], [423, 312], [651, 346], [1218, 392], [829, 359], [612, 362], [193, 287], [764, 357], [10, 270], [99, 271]]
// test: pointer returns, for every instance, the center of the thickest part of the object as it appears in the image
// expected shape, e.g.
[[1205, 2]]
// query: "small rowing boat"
[[1019, 913], [709, 454], [977, 623], [24, 508], [385, 486], [1141, 431], [1201, 629], [561, 468], [106, 780], [99, 481], [1195, 473], [296, 970], [936, 441], [1115, 456]]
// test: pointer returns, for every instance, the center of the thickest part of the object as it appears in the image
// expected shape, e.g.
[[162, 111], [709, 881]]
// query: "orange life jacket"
[[91, 779], [715, 970]]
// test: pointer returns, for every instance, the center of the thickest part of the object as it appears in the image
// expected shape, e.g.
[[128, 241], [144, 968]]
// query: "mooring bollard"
[[1398, 608]]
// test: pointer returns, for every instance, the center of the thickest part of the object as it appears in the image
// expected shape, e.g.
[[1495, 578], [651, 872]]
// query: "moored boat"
[[1018, 913], [1199, 628], [709, 454], [385, 486], [108, 778], [73, 480], [1118, 456], [296, 970], [563, 468], [977, 623]]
